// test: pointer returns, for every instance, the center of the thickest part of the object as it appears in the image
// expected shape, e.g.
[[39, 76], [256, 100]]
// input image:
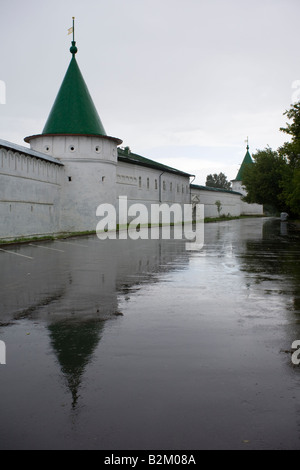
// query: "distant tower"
[[237, 184], [74, 134]]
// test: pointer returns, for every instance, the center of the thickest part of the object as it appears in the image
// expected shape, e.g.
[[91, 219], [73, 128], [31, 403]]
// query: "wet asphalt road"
[[124, 344]]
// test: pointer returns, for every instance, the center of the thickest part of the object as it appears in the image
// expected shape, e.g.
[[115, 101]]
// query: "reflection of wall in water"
[[80, 279], [77, 289], [28, 285]]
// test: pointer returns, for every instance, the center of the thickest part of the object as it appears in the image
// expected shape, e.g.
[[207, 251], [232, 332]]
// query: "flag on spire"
[[72, 29]]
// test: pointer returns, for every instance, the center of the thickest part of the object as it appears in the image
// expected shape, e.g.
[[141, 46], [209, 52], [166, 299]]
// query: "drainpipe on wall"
[[160, 186], [191, 182]]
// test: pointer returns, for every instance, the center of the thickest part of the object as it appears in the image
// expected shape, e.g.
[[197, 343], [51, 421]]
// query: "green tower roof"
[[247, 161], [73, 111]]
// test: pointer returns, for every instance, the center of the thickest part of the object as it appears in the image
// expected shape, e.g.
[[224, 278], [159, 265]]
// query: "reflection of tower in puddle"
[[77, 319], [97, 276], [74, 344]]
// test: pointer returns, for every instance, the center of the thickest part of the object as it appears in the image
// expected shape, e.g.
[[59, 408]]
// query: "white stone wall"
[[39, 197], [231, 203], [251, 209], [144, 185], [29, 195]]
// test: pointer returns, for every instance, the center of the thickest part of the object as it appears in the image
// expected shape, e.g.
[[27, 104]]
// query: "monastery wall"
[[29, 195], [251, 209], [39, 197], [230, 203], [144, 185]]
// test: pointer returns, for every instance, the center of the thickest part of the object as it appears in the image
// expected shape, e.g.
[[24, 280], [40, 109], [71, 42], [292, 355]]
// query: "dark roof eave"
[[114, 139], [154, 165], [217, 190]]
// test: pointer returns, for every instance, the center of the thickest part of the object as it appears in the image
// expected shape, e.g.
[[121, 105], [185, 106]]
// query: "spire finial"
[[73, 48], [247, 140]]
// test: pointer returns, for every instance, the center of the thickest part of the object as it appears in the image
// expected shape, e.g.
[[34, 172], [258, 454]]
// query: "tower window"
[[69, 178]]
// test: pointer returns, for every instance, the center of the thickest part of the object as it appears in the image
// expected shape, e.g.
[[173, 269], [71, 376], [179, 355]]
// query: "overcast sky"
[[183, 82]]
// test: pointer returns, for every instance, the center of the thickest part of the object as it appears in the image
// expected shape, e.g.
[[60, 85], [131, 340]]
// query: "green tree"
[[264, 179], [274, 177], [291, 151], [293, 128], [291, 192], [218, 181], [219, 206]]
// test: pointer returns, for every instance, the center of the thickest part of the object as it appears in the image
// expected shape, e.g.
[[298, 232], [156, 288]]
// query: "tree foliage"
[[218, 181], [293, 128], [263, 180], [274, 177], [291, 192]]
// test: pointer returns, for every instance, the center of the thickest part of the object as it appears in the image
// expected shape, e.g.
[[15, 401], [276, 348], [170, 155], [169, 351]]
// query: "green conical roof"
[[73, 111], [247, 161]]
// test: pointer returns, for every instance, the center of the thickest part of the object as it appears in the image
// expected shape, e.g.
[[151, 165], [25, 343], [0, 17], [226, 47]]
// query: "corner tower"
[[237, 183], [74, 134]]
